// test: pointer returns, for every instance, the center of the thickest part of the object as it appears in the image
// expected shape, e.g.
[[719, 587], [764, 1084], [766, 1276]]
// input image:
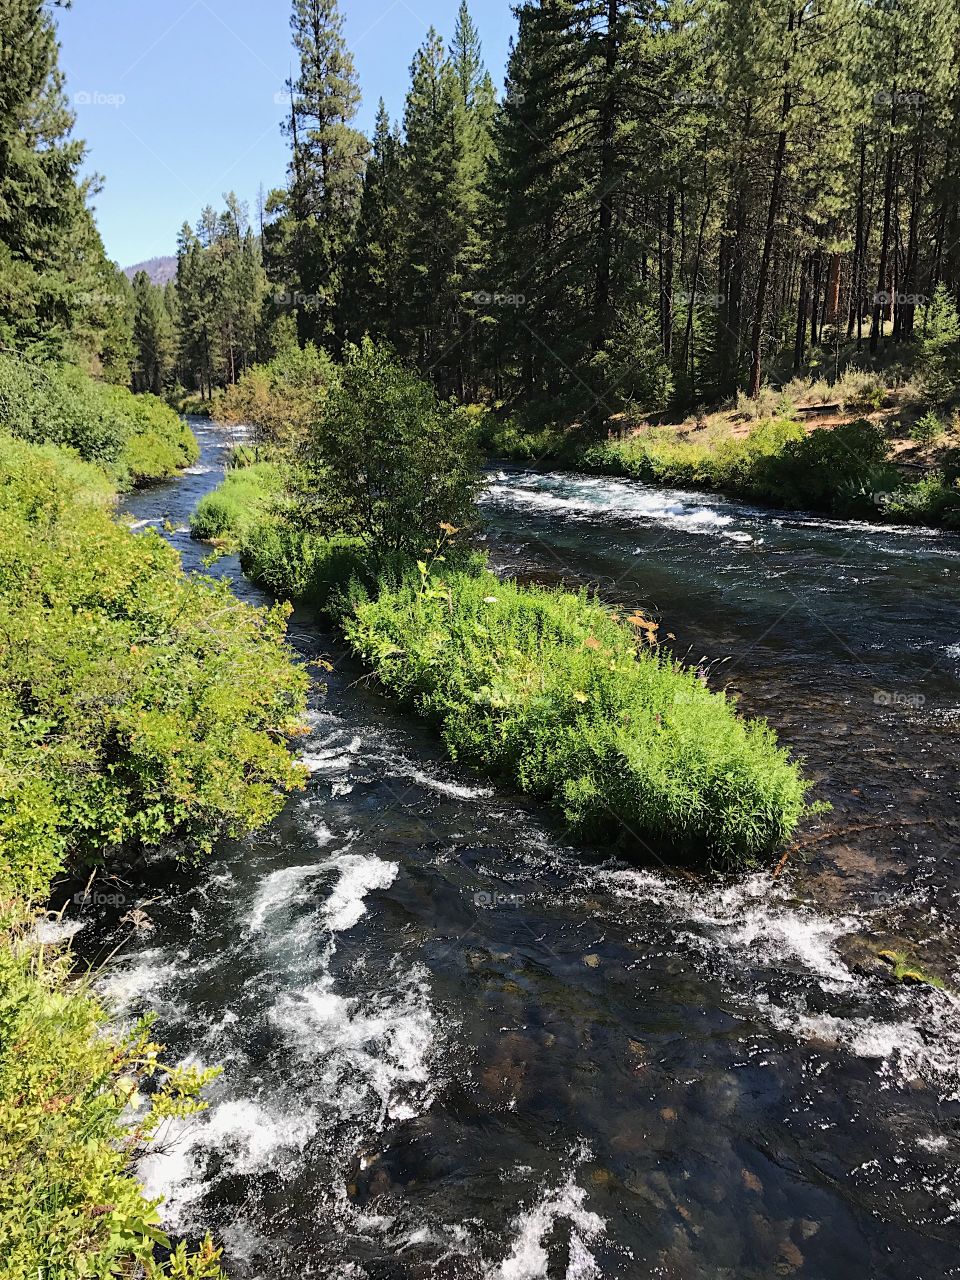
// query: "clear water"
[[457, 1047]]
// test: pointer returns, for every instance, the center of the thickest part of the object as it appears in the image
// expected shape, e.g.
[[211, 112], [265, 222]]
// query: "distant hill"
[[160, 270]]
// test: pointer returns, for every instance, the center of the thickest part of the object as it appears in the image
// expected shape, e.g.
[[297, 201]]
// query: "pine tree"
[[327, 163], [153, 337], [438, 214], [373, 285], [59, 296]]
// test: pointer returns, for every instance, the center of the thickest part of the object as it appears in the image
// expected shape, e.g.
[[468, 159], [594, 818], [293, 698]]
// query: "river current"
[[456, 1046]]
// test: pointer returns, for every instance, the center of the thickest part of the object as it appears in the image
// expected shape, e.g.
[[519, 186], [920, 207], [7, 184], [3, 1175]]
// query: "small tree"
[[388, 461]]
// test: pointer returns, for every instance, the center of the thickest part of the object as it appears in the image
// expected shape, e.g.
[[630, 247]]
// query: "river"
[[457, 1047]]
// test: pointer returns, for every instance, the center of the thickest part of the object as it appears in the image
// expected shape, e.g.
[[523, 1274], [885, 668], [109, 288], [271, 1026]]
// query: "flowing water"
[[454, 1046]]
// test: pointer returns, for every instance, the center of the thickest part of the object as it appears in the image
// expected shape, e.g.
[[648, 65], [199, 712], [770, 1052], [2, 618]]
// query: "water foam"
[[246, 1137], [359, 875], [529, 1259], [753, 919], [582, 497], [753, 925], [455, 790], [373, 1055]]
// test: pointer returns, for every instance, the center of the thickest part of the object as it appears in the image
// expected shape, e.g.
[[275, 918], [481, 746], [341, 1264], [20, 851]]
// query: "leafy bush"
[[386, 461], [295, 565], [280, 399], [137, 704], [244, 495], [158, 442], [928, 428], [68, 1205], [552, 691], [935, 499], [835, 470], [135, 438], [713, 460]]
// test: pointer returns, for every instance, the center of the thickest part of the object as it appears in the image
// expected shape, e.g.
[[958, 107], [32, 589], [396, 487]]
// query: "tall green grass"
[[237, 504], [549, 690]]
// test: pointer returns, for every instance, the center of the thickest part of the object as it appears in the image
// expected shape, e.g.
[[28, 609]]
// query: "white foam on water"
[[278, 890], [373, 1054], [953, 651], [49, 931], [456, 790], [752, 925], [198, 469], [534, 1229], [754, 916], [130, 981], [332, 757], [920, 1042], [246, 1137], [581, 497], [359, 875]]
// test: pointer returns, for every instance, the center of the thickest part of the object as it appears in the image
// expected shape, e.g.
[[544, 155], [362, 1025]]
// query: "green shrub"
[[386, 461], [135, 438], [928, 428], [137, 704], [550, 690], [935, 499], [839, 470], [68, 1205], [245, 494], [296, 565], [282, 398]]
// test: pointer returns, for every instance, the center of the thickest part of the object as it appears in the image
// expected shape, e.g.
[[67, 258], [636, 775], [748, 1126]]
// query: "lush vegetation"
[[668, 205], [136, 439], [546, 689], [843, 470], [280, 398], [574, 705], [68, 1205], [386, 461], [138, 706], [237, 504]]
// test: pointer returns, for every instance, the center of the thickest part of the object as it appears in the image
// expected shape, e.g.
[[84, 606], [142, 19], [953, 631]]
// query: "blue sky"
[[178, 101]]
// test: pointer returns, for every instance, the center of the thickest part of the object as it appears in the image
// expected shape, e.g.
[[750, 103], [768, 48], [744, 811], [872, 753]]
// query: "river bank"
[[455, 1046]]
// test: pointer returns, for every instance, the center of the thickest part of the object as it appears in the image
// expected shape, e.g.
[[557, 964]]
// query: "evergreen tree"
[[153, 337], [373, 287], [59, 295], [327, 164]]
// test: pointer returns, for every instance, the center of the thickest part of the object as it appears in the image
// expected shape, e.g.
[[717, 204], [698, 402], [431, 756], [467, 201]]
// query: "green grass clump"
[[552, 691], [243, 497]]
